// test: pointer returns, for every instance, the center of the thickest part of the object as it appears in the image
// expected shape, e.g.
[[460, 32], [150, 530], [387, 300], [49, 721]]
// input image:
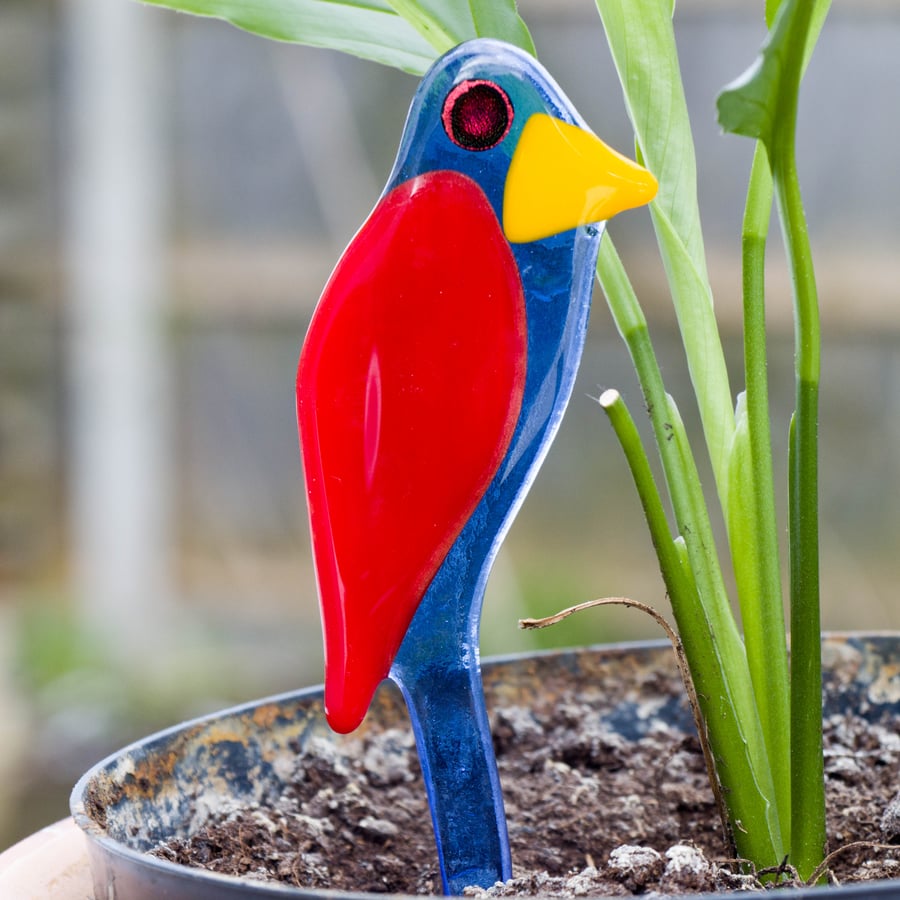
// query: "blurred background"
[[173, 194]]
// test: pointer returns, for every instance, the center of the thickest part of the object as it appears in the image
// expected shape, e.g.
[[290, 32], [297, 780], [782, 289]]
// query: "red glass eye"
[[477, 115]]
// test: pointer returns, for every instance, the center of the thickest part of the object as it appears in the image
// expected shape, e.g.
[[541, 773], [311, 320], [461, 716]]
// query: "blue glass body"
[[437, 666]]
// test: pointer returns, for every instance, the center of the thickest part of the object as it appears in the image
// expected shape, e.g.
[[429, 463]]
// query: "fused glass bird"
[[436, 369]]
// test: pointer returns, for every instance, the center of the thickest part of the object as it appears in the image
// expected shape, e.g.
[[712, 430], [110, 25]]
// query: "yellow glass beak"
[[562, 176]]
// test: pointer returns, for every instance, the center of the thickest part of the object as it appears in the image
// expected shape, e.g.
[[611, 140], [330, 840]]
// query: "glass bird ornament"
[[433, 377]]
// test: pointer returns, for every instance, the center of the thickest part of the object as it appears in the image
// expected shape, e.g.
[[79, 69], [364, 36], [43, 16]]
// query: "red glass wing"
[[409, 386]]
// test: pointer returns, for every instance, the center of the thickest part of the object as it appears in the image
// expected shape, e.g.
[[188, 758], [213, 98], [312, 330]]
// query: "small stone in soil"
[[635, 867], [890, 821]]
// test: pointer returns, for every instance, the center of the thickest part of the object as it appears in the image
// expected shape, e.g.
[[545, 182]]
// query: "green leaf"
[[407, 34], [642, 41], [754, 553], [371, 30], [445, 24], [755, 101]]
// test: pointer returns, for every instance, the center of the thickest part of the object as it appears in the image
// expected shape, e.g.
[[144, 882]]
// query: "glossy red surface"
[[409, 386]]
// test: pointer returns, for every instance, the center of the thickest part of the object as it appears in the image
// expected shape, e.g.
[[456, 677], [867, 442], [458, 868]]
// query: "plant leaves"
[[407, 34], [371, 30], [445, 24], [642, 41], [754, 102], [761, 608]]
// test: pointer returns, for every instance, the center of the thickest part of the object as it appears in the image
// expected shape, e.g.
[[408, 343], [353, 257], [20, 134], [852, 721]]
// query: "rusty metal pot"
[[164, 786]]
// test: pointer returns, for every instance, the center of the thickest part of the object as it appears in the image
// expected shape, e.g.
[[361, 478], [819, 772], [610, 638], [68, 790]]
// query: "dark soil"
[[591, 812]]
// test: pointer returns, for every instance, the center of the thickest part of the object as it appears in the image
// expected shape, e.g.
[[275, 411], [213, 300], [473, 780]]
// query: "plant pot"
[[163, 787]]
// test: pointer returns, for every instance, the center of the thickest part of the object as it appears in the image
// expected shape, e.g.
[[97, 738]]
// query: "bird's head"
[[492, 112]]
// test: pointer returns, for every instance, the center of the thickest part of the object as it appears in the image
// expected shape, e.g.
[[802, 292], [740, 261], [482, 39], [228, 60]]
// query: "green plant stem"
[[683, 482], [711, 640], [675, 575], [762, 103], [753, 527], [807, 762], [807, 765], [807, 775]]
